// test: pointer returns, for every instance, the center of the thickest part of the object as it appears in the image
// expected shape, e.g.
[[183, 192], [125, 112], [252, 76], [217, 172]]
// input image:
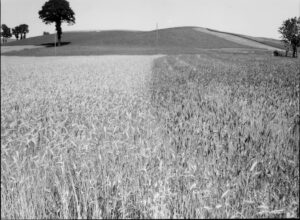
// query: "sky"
[[258, 18]]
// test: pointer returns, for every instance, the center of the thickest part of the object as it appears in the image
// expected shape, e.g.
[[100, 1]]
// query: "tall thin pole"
[[55, 44], [0, 19], [156, 34]]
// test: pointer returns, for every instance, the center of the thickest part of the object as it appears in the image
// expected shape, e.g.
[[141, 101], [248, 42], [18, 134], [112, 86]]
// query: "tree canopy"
[[290, 33], [16, 31], [57, 11], [5, 32], [20, 30], [23, 30]]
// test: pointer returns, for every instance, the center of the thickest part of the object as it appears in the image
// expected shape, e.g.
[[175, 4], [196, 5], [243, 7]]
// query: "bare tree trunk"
[[58, 39], [59, 32], [294, 51]]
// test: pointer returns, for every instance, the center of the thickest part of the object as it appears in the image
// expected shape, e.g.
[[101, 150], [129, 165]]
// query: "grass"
[[170, 37], [118, 50], [170, 41], [214, 135], [267, 41], [263, 40], [180, 40], [101, 50], [233, 123]]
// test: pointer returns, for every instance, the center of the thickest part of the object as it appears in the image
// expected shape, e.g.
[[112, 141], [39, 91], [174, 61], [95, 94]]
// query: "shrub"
[[277, 53]]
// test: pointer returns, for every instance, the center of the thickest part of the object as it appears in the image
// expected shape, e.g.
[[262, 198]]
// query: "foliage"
[[277, 53], [5, 32], [290, 31], [204, 136], [57, 11], [23, 30], [16, 31], [227, 118]]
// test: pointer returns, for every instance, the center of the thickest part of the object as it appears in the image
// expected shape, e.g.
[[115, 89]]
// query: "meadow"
[[213, 135], [179, 40]]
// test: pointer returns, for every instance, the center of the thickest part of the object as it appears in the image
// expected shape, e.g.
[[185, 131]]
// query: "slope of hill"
[[165, 41], [173, 37], [263, 40], [8, 40]]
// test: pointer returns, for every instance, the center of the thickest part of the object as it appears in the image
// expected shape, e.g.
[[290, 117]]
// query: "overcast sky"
[[259, 18]]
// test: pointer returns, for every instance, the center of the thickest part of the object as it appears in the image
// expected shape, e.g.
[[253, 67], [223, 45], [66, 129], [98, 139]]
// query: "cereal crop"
[[214, 135], [232, 122]]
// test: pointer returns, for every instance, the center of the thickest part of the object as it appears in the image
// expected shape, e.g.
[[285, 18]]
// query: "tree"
[[16, 31], [290, 33], [23, 30], [5, 32], [57, 11], [286, 47]]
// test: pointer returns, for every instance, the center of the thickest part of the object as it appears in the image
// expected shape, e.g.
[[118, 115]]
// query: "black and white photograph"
[[150, 109]]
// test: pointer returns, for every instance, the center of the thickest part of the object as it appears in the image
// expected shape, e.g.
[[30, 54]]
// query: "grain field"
[[214, 135]]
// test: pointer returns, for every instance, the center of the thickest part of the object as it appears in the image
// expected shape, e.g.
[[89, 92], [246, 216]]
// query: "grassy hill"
[[8, 40], [164, 41], [263, 40], [171, 40]]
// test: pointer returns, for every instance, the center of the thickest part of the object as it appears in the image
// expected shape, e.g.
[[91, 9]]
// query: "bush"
[[277, 53], [46, 33]]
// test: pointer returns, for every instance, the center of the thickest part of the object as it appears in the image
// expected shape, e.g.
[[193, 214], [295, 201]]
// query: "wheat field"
[[214, 135]]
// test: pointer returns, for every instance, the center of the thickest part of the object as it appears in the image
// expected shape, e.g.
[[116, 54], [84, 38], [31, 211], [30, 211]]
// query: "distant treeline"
[[19, 31]]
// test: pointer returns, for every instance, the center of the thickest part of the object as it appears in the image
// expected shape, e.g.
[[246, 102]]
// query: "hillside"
[[165, 41], [263, 40], [8, 40]]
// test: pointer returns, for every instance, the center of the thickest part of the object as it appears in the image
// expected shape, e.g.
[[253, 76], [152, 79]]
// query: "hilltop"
[[165, 41]]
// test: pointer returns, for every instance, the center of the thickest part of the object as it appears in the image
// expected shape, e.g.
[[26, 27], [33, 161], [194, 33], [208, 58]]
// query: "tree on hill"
[[290, 33], [5, 32], [16, 31], [287, 47], [23, 30], [57, 11]]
